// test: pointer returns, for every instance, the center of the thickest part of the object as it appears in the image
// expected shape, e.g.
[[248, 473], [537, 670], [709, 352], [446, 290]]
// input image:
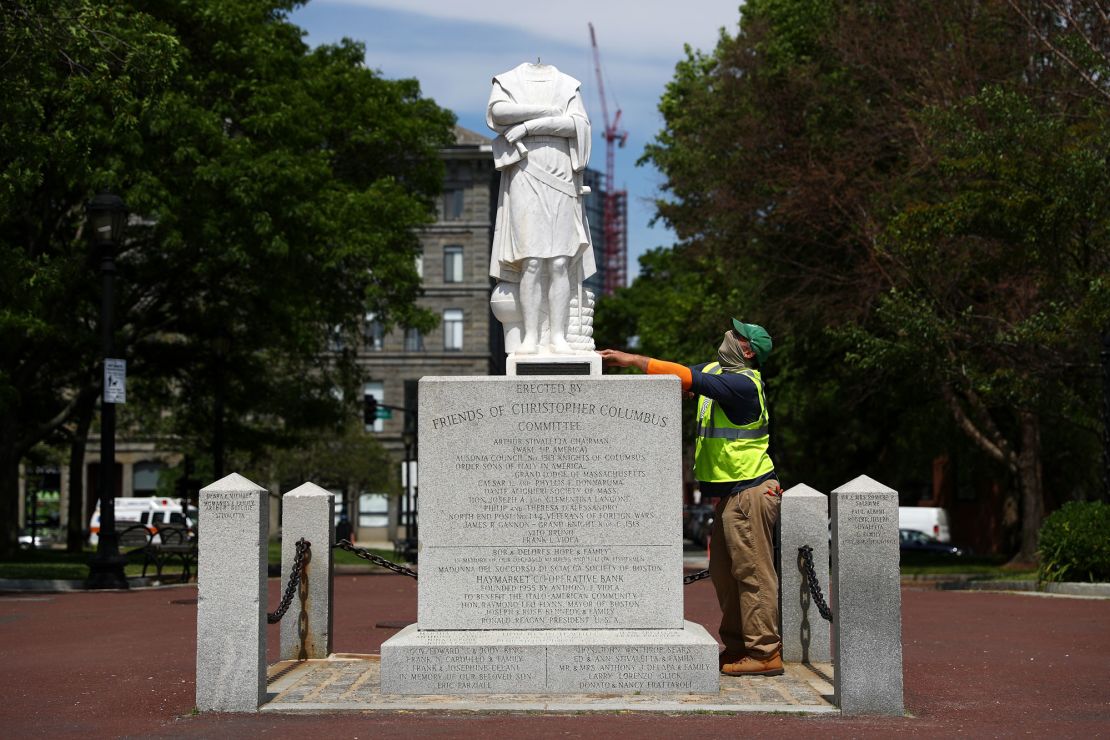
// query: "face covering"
[[729, 354]]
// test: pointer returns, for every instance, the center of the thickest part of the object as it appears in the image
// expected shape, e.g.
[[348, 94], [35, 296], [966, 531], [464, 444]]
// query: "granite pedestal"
[[551, 541]]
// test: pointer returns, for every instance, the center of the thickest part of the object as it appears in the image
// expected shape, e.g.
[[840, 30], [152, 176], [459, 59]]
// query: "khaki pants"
[[742, 568]]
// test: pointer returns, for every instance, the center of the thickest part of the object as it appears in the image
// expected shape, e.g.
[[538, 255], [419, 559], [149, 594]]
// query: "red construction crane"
[[615, 255]]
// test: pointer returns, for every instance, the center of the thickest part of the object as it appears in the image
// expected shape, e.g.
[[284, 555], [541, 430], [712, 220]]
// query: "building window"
[[452, 263], [373, 510], [452, 204], [420, 264], [376, 389], [336, 343], [453, 329], [414, 340], [144, 478], [373, 335]]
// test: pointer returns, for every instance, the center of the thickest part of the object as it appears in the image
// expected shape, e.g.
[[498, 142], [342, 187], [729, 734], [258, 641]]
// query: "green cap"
[[757, 336]]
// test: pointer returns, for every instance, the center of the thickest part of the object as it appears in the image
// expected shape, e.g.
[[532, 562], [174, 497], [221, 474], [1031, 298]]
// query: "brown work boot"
[[726, 657], [749, 666]]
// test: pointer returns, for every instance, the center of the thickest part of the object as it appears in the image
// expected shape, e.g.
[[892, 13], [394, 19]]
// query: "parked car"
[[914, 542], [42, 537], [930, 520], [697, 523], [154, 512]]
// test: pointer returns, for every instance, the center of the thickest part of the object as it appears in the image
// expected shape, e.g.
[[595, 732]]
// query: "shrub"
[[1075, 543]]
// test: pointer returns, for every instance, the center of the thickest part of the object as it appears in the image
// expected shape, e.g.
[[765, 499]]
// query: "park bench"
[[132, 538], [167, 545]]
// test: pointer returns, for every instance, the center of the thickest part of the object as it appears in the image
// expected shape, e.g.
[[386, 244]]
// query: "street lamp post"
[[414, 509], [411, 542], [107, 215]]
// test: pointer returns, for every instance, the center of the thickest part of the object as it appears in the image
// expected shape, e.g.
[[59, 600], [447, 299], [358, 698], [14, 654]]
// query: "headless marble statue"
[[541, 244]]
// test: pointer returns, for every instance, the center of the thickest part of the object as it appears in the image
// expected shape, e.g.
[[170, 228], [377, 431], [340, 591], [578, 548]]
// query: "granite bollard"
[[231, 596], [308, 512], [804, 521], [867, 599]]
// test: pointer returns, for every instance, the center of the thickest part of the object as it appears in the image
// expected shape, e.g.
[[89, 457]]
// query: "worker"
[[732, 465]]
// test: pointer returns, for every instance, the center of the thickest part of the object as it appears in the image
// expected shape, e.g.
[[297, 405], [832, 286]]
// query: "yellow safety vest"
[[726, 451]]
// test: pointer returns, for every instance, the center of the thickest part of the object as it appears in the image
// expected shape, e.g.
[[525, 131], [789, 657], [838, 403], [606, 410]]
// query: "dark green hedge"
[[1075, 543]]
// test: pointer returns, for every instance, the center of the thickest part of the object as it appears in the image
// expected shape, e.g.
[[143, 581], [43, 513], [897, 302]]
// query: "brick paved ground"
[[122, 664]]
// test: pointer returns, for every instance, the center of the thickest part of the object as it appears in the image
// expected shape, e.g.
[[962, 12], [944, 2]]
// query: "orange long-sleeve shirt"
[[662, 367]]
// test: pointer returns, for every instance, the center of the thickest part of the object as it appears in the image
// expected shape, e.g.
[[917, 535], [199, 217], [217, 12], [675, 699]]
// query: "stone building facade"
[[454, 266]]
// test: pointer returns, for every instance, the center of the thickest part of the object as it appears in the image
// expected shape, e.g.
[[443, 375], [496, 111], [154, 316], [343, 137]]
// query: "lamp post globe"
[[107, 216]]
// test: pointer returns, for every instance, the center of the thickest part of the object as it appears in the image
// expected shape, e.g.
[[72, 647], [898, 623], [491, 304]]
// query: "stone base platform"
[[349, 682], [550, 661]]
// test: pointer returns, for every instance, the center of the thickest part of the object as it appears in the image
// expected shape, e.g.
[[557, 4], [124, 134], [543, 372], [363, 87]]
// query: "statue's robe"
[[539, 203]]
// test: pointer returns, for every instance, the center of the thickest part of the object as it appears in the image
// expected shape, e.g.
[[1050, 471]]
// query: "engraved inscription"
[[551, 504], [546, 490], [449, 669], [229, 504], [571, 587], [867, 518], [631, 668]]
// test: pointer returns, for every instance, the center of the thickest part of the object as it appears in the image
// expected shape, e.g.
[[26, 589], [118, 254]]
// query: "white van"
[[152, 511], [931, 520]]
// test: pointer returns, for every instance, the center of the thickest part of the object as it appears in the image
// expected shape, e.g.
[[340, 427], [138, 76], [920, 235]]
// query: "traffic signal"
[[369, 410]]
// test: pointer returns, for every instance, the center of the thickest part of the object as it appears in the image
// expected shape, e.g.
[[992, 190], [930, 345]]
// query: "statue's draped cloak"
[[539, 206]]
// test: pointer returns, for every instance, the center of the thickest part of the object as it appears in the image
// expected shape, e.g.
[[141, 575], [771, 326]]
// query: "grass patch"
[[341, 557], [58, 565], [51, 565], [47, 564], [988, 567]]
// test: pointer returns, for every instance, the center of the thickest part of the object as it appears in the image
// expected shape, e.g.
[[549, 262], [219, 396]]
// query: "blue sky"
[[455, 48]]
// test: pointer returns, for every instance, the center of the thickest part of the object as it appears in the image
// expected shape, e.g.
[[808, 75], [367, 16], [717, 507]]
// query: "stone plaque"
[[579, 363], [550, 661], [550, 503], [866, 598], [442, 666], [553, 368], [629, 668]]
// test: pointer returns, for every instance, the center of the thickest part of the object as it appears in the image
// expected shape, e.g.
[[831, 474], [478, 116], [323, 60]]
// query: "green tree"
[[835, 158], [1001, 280], [276, 192], [348, 460], [829, 421]]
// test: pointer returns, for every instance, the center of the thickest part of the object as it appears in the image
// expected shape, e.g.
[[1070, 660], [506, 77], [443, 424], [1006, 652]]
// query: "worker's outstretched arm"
[[648, 365]]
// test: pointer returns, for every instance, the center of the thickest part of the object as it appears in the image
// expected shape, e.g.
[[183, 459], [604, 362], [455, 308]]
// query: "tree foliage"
[[912, 197], [275, 192]]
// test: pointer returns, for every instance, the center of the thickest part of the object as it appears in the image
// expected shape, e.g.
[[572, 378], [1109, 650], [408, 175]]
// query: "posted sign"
[[115, 381]]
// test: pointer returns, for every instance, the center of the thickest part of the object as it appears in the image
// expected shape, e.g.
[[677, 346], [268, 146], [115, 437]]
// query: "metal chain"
[[303, 547], [376, 559], [687, 580], [814, 587]]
